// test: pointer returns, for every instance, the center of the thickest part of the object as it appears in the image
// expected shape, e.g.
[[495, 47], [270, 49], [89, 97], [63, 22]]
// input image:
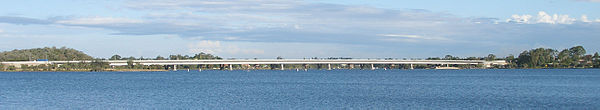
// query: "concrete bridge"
[[281, 62]]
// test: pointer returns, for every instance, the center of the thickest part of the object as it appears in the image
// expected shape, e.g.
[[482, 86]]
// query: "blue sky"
[[299, 29]]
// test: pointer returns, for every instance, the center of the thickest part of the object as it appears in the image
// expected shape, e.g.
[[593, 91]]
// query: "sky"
[[300, 28]]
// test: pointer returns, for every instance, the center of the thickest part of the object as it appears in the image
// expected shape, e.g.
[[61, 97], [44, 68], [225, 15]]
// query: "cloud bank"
[[293, 21], [544, 17], [588, 0]]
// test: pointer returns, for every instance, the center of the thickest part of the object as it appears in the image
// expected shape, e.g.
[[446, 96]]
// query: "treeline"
[[69, 54], [574, 57], [490, 57], [50, 53], [95, 65], [199, 56]]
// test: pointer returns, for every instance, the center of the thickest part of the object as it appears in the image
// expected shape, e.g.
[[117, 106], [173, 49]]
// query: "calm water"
[[339, 89]]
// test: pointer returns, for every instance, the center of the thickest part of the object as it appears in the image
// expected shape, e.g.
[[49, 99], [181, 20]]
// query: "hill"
[[50, 53]]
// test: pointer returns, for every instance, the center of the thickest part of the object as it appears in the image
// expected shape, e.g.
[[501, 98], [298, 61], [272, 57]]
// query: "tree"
[[539, 57], [203, 56], [279, 57], [490, 57], [596, 60], [524, 59], [510, 59], [433, 58], [447, 57], [587, 60], [115, 57], [160, 58], [98, 65], [450, 57], [564, 58], [577, 53], [130, 63], [473, 58], [175, 57], [130, 58]]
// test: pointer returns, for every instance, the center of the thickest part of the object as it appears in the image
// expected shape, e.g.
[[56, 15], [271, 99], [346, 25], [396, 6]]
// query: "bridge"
[[281, 62]]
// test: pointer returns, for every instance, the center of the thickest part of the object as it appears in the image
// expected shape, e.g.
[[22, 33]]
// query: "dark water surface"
[[338, 89]]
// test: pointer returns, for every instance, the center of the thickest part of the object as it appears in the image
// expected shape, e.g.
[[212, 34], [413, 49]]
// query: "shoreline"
[[196, 70]]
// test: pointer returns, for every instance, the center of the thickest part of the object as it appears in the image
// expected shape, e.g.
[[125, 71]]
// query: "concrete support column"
[[230, 67], [282, 68], [174, 67], [372, 67], [306, 67], [411, 66], [329, 66], [200, 68]]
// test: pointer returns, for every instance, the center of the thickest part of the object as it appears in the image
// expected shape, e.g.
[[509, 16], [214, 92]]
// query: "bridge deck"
[[287, 61]]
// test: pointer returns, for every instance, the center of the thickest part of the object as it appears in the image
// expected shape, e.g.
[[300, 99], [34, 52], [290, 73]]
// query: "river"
[[312, 89]]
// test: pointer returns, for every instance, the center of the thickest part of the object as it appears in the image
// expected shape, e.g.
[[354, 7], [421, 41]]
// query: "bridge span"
[[281, 62]]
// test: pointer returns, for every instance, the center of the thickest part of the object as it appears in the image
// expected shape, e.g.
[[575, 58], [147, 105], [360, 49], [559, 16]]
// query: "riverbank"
[[88, 70], [165, 70]]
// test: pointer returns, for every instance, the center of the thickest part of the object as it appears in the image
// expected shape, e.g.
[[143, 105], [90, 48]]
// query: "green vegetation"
[[574, 57], [200, 56], [96, 64], [50, 53], [490, 57]]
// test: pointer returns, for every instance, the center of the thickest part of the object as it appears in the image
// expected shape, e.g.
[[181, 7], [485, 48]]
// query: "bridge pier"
[[372, 67], [411, 67], [306, 67], [329, 66], [174, 67], [282, 68], [487, 65], [230, 67]]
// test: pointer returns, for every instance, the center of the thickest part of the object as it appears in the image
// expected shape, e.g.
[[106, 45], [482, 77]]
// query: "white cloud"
[[542, 17], [588, 0], [98, 21], [520, 18], [215, 47], [409, 38], [584, 18], [206, 46], [251, 21], [230, 5]]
